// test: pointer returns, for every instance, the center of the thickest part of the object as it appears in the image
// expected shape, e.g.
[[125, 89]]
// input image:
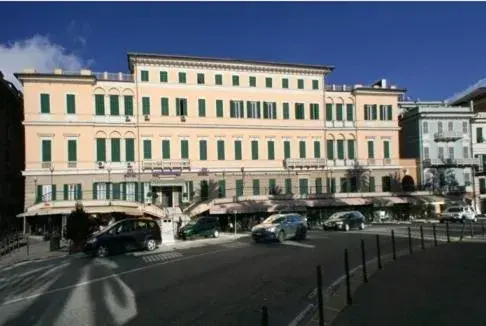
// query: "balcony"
[[448, 136], [169, 164], [377, 162], [292, 163], [113, 76], [451, 162], [341, 162], [340, 124]]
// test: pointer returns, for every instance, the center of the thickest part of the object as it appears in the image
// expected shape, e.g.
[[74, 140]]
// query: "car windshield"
[[274, 219], [338, 216]]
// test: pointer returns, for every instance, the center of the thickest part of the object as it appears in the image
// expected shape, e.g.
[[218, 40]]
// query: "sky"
[[433, 49]]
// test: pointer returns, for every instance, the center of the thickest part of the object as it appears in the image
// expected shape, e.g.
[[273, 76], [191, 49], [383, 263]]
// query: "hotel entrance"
[[167, 194]]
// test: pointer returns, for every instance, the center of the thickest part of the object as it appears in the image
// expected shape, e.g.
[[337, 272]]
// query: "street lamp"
[[109, 184], [52, 182], [243, 180]]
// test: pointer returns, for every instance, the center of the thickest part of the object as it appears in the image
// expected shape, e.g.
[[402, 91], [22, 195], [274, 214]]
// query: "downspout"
[[139, 144], [473, 168]]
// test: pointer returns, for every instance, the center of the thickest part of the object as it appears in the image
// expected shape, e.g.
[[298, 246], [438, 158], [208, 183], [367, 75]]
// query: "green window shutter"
[[302, 151], [137, 191], [344, 185], [236, 80], [202, 107], [340, 149], [304, 186], [221, 188], [219, 108], [65, 190], [371, 184], [479, 135], [256, 187], [218, 79], [288, 186], [101, 149], [190, 189], [203, 150], [272, 186], [254, 149], [128, 99], [329, 112], [274, 110], [386, 149], [286, 149], [331, 185], [145, 105], [99, 104], [147, 149], [349, 112], [238, 150], [315, 84], [163, 77], [239, 187], [318, 186], [285, 83], [145, 75], [339, 112], [300, 83], [130, 149], [286, 111], [95, 193], [54, 192], [38, 194], [178, 107], [317, 149], [367, 112], [79, 192], [70, 104], [316, 111], [115, 150], [116, 189], [351, 149], [389, 109], [232, 109], [371, 149], [265, 110], [220, 145], [299, 111], [330, 149], [268, 82], [374, 112], [200, 79], [182, 78], [252, 81], [165, 149], [164, 106], [72, 150], [45, 103], [46, 150], [114, 105], [184, 149], [271, 149]]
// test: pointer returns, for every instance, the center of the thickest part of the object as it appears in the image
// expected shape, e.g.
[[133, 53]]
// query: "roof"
[[479, 88], [130, 55]]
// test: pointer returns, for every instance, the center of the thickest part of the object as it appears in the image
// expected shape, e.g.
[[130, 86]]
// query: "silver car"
[[280, 227]]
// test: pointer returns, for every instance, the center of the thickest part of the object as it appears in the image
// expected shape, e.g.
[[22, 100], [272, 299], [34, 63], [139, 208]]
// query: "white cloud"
[[37, 52]]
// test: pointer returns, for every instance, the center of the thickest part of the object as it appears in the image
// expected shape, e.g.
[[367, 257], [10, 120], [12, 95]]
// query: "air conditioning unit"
[[101, 164], [147, 117], [128, 118], [183, 118]]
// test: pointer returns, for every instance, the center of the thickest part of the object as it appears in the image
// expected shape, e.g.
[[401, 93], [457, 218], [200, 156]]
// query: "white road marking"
[[298, 244], [301, 316]]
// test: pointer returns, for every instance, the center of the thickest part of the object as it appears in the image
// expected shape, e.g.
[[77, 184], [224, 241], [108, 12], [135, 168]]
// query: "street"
[[220, 284]]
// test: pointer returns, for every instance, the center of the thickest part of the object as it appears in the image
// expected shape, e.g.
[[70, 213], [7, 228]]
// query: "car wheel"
[[216, 233], [346, 227], [281, 236], [303, 234], [362, 226], [151, 245], [102, 251]]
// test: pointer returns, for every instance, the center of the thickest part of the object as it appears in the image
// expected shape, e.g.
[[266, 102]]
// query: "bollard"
[[394, 249], [363, 262], [422, 237], [349, 299], [472, 229], [264, 316], [410, 249], [482, 227], [435, 235], [320, 299], [447, 232], [378, 250]]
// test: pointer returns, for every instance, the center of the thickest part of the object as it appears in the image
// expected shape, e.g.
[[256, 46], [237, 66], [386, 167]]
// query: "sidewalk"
[[439, 286]]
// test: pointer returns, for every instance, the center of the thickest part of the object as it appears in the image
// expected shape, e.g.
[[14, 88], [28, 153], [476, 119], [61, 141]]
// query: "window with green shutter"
[[371, 149], [349, 112], [268, 82], [374, 112], [201, 107], [344, 185], [256, 187], [315, 84], [288, 186], [339, 112], [200, 79], [130, 149], [144, 75], [70, 104], [219, 108], [116, 190], [165, 149], [128, 100], [286, 111], [272, 186], [304, 186], [184, 149], [271, 149], [386, 149], [182, 77], [331, 185], [389, 110], [286, 144], [330, 149], [314, 111], [302, 151], [115, 150], [479, 135], [317, 149], [351, 149], [252, 81], [239, 187], [45, 103], [285, 83], [218, 79], [299, 111], [164, 78], [222, 188], [220, 145], [238, 150], [254, 149], [236, 80], [101, 149], [203, 150], [318, 186], [99, 104], [114, 105], [300, 83], [181, 107], [145, 105], [72, 150], [147, 149], [340, 149], [329, 112], [371, 184], [164, 106]]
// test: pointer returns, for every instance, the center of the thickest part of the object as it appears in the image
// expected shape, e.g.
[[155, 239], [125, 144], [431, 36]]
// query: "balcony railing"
[[340, 124], [113, 76], [452, 162], [166, 164], [448, 136], [292, 163]]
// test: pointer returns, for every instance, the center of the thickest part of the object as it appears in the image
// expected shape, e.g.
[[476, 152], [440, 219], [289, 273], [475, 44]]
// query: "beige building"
[[206, 134]]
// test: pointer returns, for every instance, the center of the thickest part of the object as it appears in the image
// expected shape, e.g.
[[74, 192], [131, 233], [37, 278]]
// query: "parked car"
[[280, 227], [206, 226], [458, 214], [345, 221], [125, 235]]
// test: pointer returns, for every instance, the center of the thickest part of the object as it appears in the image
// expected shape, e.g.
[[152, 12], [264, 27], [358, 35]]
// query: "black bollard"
[[363, 262], [264, 316], [422, 237], [378, 251], [320, 299], [410, 249], [435, 234], [349, 299], [394, 249]]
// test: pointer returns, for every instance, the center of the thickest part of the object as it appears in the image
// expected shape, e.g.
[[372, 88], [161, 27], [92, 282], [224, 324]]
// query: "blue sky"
[[432, 49]]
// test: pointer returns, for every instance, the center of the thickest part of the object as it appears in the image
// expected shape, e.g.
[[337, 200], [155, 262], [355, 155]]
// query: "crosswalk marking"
[[161, 257]]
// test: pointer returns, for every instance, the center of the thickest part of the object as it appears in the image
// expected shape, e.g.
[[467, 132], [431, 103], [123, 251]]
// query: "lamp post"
[[235, 212], [243, 180], [51, 169], [108, 190]]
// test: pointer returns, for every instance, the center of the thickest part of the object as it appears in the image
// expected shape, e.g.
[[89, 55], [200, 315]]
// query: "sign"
[[166, 173]]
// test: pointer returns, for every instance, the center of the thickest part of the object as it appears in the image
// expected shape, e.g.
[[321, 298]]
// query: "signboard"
[[162, 173]]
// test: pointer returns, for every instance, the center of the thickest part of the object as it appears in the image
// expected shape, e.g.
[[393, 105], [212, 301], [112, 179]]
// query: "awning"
[[88, 209], [388, 201], [47, 211]]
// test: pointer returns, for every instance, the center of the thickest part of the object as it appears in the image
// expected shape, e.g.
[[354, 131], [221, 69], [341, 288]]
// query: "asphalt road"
[[224, 284]]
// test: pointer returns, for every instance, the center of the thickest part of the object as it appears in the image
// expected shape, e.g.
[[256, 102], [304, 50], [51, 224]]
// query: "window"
[[239, 187], [218, 79], [184, 149], [128, 101], [165, 149], [451, 153], [145, 105], [99, 104], [386, 183], [440, 127], [299, 111], [253, 110], [164, 77], [130, 150], [370, 112], [331, 185], [467, 178], [222, 188], [219, 108], [426, 153], [254, 149], [329, 112], [268, 82], [70, 104], [371, 149], [340, 149], [349, 112], [288, 186], [271, 150], [100, 191], [202, 107], [236, 80], [203, 150], [114, 105], [386, 112], [237, 109], [100, 149], [371, 184], [182, 78], [286, 145], [318, 184], [351, 149], [344, 185], [220, 145], [315, 84], [164, 106], [441, 153], [425, 127], [46, 145], [317, 149], [115, 150], [286, 111], [72, 191], [252, 81], [464, 127], [386, 149], [339, 112], [330, 149], [147, 149], [302, 149], [314, 111], [144, 75], [269, 110], [465, 152], [450, 126], [256, 187], [300, 83], [272, 187], [181, 107], [304, 186], [238, 150], [479, 135], [285, 83], [200, 79]]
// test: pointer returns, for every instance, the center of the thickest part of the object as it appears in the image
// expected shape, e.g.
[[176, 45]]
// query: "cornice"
[[54, 78]]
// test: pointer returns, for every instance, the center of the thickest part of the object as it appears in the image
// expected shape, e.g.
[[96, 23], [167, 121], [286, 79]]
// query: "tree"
[[78, 225], [361, 175]]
